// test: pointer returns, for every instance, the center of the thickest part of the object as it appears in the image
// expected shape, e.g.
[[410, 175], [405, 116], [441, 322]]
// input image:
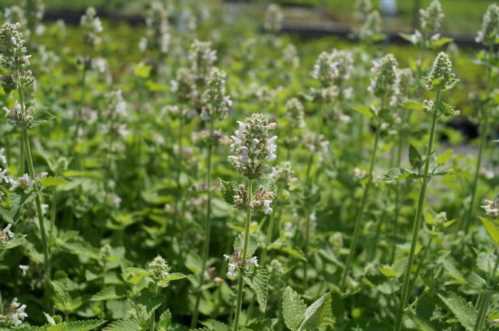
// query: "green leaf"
[[76, 326], [413, 105], [464, 313], [124, 325], [142, 70], [414, 157], [175, 276], [453, 271], [260, 285], [364, 110], [388, 271], [165, 321], [108, 293], [318, 314], [135, 276], [63, 300], [53, 181], [216, 325], [293, 309], [492, 229], [440, 42]]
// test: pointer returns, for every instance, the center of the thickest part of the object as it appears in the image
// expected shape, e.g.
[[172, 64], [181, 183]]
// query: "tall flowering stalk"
[[92, 28], [216, 103], [253, 147], [15, 58], [440, 80], [384, 86], [189, 87], [406, 80], [487, 36]]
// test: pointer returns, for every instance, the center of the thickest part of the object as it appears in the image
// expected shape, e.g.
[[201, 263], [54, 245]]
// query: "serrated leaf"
[[317, 313], [124, 325], [415, 158], [464, 313], [260, 285], [293, 309]]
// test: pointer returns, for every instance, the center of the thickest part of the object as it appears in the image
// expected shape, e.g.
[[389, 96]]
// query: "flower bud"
[[442, 76], [490, 26]]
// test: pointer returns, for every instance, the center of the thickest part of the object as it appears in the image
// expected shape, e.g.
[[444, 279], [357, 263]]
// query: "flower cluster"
[[6, 234], [490, 26], [158, 28], [406, 80], [316, 143], [362, 9], [5, 178], [294, 124], [273, 18], [236, 263], [15, 313], [491, 207], [431, 20], [295, 113], [201, 58], [372, 26], [117, 114], [183, 86], [290, 57], [253, 145], [92, 28], [283, 175], [215, 100], [261, 199], [14, 55], [441, 76], [333, 68], [159, 270], [385, 79]]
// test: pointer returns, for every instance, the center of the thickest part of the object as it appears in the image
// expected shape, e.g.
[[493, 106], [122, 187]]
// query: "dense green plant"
[[142, 187]]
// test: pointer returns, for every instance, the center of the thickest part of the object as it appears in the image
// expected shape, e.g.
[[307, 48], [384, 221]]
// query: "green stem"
[[206, 247], [360, 211], [406, 288], [243, 258], [307, 219], [397, 197], [22, 162], [180, 134], [38, 202], [483, 142]]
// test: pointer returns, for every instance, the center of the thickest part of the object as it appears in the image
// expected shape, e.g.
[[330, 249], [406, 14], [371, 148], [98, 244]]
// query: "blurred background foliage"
[[465, 15]]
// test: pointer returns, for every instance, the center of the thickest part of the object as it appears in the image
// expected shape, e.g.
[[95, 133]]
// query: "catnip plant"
[[440, 80], [252, 149], [16, 59], [385, 87]]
